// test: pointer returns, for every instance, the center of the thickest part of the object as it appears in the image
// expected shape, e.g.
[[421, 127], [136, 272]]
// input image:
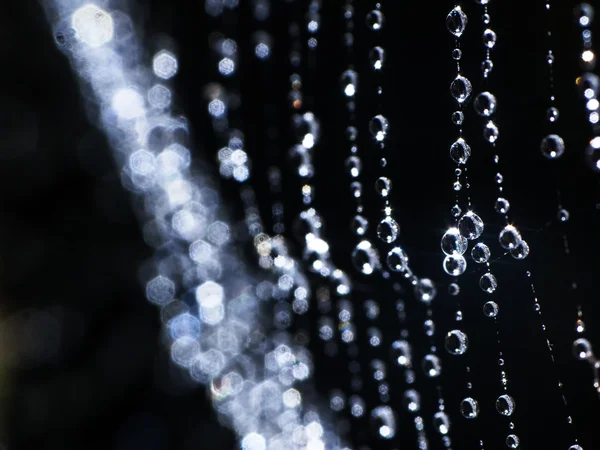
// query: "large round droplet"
[[489, 38], [397, 260], [453, 242], [377, 57], [460, 151], [488, 283], [388, 230], [359, 225], [521, 251], [425, 290], [505, 405], [491, 309], [349, 82], [401, 353], [509, 237], [470, 225], [469, 408], [575, 447], [441, 422], [375, 20], [512, 441], [456, 342], [456, 21], [432, 366], [461, 89], [365, 258], [383, 186], [454, 265], [485, 104], [378, 127], [412, 400], [480, 253], [552, 146], [491, 132], [383, 421], [582, 349]]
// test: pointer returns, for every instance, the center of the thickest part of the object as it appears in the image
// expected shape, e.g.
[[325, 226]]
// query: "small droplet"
[[387, 230], [401, 353], [383, 186], [456, 54], [353, 166], [491, 132], [455, 265], [453, 289], [453, 242], [502, 205], [486, 17], [429, 327], [383, 421], [378, 127], [412, 400], [458, 117], [441, 422], [505, 405], [550, 57], [488, 283], [469, 408], [455, 211], [490, 309], [457, 186], [552, 146], [456, 21], [470, 225], [365, 258], [456, 342], [425, 290], [509, 237], [349, 82], [582, 349], [552, 114], [461, 89], [489, 38], [521, 251], [375, 20], [480, 253], [485, 104], [377, 57], [359, 225], [397, 260], [460, 151], [512, 441], [487, 66]]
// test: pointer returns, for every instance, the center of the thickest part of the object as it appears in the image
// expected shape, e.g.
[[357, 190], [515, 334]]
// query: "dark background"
[[82, 361]]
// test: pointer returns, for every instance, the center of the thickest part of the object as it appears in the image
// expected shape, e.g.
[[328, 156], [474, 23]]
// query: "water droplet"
[[460, 151], [490, 309], [453, 289], [470, 225], [509, 237], [401, 353], [378, 127], [469, 408], [429, 327], [552, 114], [457, 186], [488, 283], [512, 441], [365, 258], [480, 253], [563, 215], [502, 205], [552, 146], [459, 316], [456, 54], [505, 405], [456, 342], [359, 225], [580, 326], [521, 251], [388, 230], [383, 186], [461, 89], [353, 166], [455, 211], [412, 400], [397, 260], [458, 117], [351, 133], [486, 17], [584, 14], [349, 82], [487, 66], [453, 242], [441, 422], [432, 366], [377, 57], [592, 154], [485, 104], [582, 349], [491, 132], [456, 21], [425, 290], [375, 20], [489, 38], [455, 265], [575, 447]]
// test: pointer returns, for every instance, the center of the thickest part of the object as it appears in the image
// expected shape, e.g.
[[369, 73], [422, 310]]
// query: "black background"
[[71, 245]]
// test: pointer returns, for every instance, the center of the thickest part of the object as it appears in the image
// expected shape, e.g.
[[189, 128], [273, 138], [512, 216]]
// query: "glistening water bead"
[[365, 258], [491, 132], [377, 57], [470, 225], [383, 186], [378, 127], [485, 104], [490, 309], [441, 422], [469, 408], [397, 260], [509, 237], [480, 253], [425, 290], [582, 349], [489, 38], [461, 89], [505, 405], [502, 205], [375, 20], [432, 366], [453, 242], [454, 265], [552, 146], [512, 441], [359, 225], [488, 283], [456, 21], [387, 230], [456, 342], [460, 151]]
